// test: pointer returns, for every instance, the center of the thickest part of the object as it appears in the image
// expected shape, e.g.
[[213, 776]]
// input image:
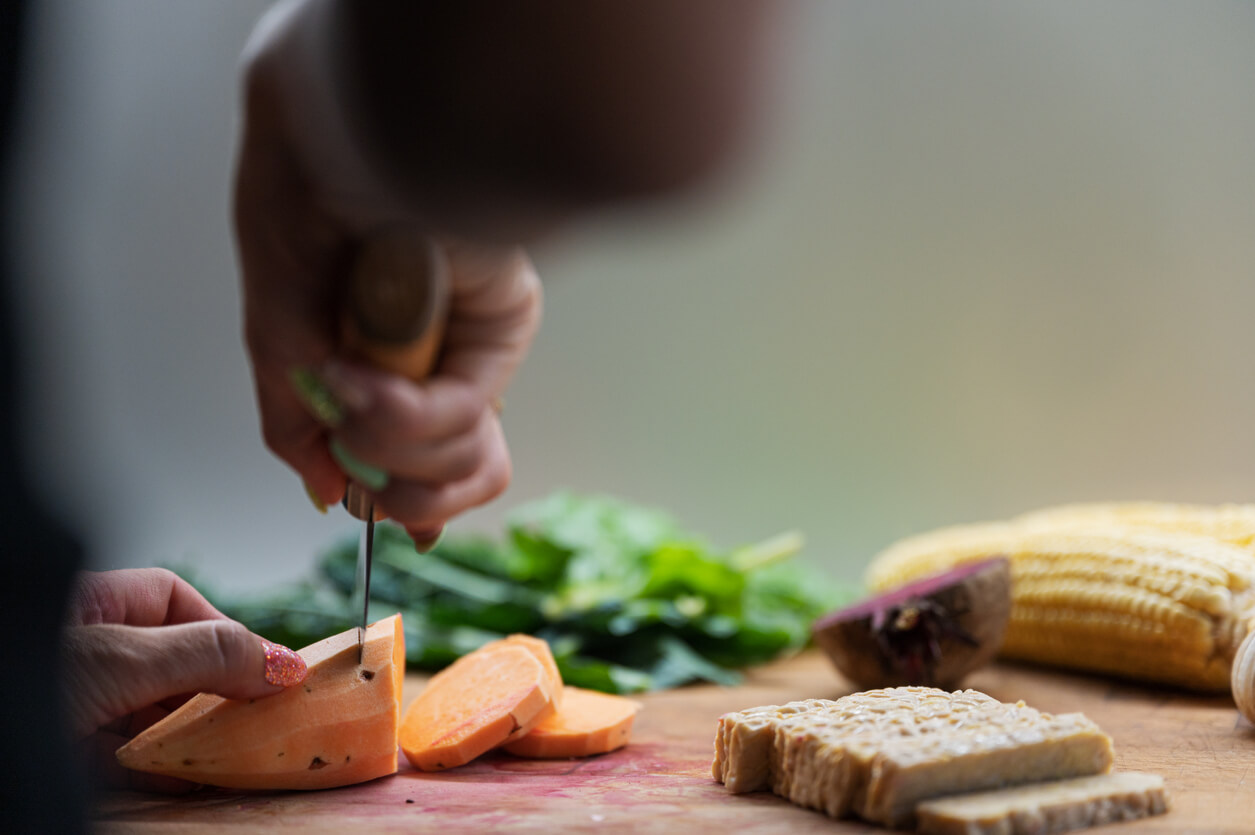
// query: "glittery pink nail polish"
[[283, 666]]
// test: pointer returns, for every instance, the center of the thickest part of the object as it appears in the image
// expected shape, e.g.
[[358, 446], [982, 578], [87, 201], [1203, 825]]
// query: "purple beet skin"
[[930, 632]]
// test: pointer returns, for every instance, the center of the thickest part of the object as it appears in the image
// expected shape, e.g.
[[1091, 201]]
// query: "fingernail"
[[425, 541], [372, 478], [314, 499], [283, 666], [345, 386], [317, 397]]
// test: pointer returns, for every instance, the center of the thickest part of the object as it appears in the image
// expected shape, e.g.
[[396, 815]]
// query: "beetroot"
[[931, 632]]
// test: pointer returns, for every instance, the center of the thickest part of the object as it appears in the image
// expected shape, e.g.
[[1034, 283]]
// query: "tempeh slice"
[[1007, 747], [1045, 808]]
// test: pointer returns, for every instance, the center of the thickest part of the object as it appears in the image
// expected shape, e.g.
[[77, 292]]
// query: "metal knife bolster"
[[394, 318]]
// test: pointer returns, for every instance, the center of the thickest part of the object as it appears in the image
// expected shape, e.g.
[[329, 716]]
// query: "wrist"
[[295, 79]]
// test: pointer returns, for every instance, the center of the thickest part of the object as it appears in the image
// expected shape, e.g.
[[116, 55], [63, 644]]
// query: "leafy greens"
[[627, 599]]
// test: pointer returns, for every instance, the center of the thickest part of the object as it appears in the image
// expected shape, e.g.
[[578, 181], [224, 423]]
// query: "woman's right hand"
[[427, 450]]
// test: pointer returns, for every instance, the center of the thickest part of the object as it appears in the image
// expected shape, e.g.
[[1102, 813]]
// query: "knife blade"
[[394, 317], [361, 584]]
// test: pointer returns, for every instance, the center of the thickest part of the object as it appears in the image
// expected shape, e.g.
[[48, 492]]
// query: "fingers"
[[99, 753], [431, 431], [293, 434], [436, 451], [435, 462], [379, 403], [137, 597], [495, 311], [429, 482], [114, 670], [434, 448], [424, 507]]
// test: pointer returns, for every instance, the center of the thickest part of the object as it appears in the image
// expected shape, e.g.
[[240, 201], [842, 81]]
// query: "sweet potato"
[[553, 678], [498, 692], [587, 723], [337, 727]]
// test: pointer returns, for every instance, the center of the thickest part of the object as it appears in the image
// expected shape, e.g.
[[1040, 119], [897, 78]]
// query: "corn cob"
[[1233, 523], [1133, 600]]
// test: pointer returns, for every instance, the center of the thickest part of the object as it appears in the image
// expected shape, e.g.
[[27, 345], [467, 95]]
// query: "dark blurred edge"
[[42, 788]]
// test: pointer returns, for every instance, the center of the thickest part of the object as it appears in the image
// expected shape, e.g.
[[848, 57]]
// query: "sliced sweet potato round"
[[553, 678], [587, 723], [474, 705]]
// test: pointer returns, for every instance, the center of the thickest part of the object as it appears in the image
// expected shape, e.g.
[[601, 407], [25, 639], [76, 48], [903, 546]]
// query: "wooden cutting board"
[[662, 782]]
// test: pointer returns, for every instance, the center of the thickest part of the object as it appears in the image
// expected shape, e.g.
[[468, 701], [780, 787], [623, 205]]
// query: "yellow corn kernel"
[[1089, 593], [1232, 523], [1125, 614], [935, 551], [1050, 641]]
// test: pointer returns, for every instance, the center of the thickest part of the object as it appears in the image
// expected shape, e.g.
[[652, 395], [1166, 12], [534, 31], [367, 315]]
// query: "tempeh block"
[[878, 753]]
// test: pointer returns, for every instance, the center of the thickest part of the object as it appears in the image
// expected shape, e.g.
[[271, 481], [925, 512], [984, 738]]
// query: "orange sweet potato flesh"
[[336, 728], [553, 678], [476, 704], [588, 723]]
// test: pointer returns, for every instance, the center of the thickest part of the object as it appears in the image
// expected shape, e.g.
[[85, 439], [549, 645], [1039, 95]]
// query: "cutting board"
[[662, 782]]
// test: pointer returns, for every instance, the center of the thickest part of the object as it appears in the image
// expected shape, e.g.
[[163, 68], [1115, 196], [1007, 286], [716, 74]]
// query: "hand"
[[140, 641], [299, 219]]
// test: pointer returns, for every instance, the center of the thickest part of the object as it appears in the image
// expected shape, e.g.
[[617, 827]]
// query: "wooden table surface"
[[662, 783]]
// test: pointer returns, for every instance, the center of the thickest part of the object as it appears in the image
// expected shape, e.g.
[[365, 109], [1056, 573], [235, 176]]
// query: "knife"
[[394, 314]]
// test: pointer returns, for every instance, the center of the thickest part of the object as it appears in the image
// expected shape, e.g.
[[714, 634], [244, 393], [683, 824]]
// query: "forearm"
[[497, 117]]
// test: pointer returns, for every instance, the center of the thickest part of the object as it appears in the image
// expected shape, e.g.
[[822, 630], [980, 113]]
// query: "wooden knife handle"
[[394, 314]]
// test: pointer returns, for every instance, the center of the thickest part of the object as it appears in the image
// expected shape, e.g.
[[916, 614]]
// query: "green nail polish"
[[372, 478], [318, 503], [322, 404]]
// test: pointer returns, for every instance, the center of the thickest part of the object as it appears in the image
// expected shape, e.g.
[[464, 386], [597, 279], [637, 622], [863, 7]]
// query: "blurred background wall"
[[986, 256]]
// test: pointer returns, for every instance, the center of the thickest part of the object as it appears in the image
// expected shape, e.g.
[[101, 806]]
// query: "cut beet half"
[[930, 632]]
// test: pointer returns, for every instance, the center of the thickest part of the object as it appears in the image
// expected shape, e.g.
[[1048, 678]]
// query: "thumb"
[[113, 670]]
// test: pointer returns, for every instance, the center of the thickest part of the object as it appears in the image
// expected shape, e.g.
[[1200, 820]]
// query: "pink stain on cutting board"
[[498, 790]]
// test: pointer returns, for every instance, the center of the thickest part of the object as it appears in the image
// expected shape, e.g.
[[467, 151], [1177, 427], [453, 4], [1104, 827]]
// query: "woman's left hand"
[[140, 641]]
